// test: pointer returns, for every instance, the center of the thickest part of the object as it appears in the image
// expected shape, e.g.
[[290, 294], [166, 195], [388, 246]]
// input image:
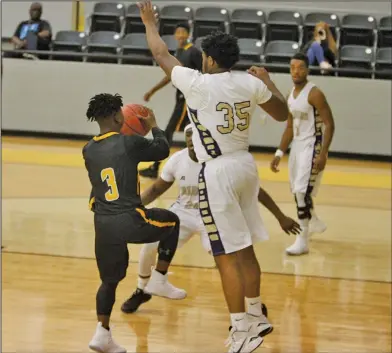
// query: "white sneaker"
[[103, 342], [243, 342], [159, 285], [317, 226], [300, 246], [259, 325]]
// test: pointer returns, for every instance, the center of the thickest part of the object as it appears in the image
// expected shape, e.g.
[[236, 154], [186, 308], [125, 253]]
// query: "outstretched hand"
[[147, 12]]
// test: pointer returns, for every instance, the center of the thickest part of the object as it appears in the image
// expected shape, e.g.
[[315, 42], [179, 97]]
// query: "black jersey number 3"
[[108, 175]]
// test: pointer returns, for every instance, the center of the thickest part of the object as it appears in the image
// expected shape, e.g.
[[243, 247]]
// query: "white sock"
[[142, 282], [239, 321], [314, 215], [253, 306]]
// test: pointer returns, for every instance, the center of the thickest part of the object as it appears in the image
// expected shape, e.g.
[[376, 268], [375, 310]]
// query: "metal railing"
[[272, 67]]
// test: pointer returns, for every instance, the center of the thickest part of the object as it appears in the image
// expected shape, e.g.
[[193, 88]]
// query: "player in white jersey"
[[183, 167], [220, 106], [309, 115]]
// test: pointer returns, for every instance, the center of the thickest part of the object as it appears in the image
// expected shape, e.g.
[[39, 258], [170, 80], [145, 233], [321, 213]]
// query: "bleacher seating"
[[284, 25], [209, 19], [107, 16], [272, 37], [171, 15]]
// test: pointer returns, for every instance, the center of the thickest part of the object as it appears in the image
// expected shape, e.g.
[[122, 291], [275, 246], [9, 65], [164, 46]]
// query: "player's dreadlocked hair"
[[223, 48], [103, 105]]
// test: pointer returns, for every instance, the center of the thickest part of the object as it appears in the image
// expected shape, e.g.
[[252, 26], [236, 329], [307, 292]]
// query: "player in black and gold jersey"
[[112, 160]]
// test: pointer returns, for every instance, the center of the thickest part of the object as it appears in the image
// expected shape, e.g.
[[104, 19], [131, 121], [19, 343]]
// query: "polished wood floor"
[[336, 299]]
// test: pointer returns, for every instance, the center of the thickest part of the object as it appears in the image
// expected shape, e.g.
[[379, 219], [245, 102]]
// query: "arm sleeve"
[[168, 171], [145, 150], [263, 93], [184, 78]]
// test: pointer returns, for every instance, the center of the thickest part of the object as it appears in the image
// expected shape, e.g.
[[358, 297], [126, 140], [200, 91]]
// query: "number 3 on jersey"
[[108, 175], [229, 116]]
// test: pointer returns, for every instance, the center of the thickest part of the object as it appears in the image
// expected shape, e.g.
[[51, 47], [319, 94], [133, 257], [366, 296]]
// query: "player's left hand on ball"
[[147, 12], [289, 226], [320, 162]]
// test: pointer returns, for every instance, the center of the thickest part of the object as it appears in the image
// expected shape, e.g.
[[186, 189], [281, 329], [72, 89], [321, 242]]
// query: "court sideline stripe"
[[5, 251]]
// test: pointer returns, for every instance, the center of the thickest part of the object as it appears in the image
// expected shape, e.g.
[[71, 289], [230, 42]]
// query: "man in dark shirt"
[[191, 57], [120, 218], [33, 34]]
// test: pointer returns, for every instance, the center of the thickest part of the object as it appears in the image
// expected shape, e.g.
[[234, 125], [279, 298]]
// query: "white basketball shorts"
[[228, 191], [190, 224], [303, 177]]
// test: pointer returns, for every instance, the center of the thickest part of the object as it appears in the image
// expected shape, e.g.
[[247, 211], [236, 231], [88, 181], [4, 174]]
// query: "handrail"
[[121, 57]]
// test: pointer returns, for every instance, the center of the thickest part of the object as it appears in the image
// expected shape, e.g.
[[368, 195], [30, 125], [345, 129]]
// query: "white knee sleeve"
[[147, 258]]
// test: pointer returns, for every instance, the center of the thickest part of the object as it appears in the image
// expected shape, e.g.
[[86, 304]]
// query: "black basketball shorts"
[[114, 232]]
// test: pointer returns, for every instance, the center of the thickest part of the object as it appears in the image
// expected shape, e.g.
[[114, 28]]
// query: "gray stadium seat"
[[171, 15], [247, 23], [198, 41], [68, 41], [104, 42], [384, 64], [311, 19], [133, 22], [280, 52], [357, 30], [385, 32], [135, 46], [284, 25], [209, 19], [356, 57], [250, 53], [107, 16], [171, 43]]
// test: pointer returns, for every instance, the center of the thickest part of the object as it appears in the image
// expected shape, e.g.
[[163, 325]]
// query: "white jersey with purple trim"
[[181, 168], [220, 108]]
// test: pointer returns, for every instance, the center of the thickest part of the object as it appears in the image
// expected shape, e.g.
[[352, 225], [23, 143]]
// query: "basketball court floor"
[[336, 299]]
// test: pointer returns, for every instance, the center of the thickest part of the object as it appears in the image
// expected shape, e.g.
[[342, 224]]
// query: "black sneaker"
[[132, 304], [151, 172]]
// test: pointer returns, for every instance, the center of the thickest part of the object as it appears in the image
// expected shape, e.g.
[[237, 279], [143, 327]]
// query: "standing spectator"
[[33, 34], [321, 50]]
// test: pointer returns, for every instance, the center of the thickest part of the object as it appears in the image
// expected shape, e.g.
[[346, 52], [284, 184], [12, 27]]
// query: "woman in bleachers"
[[321, 50]]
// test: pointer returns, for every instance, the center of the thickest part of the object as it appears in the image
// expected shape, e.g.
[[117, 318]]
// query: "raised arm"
[[144, 150], [275, 105], [149, 150], [317, 99], [157, 46]]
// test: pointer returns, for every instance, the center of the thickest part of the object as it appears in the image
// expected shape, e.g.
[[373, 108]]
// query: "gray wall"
[[59, 13], [53, 96]]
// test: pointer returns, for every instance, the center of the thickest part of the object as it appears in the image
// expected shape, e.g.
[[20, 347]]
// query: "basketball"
[[132, 124]]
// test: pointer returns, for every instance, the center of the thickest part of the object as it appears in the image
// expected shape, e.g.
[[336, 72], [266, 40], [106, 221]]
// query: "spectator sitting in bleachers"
[[33, 34], [321, 50]]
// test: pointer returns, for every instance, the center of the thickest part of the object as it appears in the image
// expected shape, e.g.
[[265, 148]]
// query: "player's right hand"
[[149, 119], [147, 96], [275, 164], [259, 72]]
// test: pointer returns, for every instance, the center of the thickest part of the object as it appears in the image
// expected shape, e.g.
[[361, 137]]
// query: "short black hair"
[[301, 56], [183, 25], [103, 105], [223, 48]]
